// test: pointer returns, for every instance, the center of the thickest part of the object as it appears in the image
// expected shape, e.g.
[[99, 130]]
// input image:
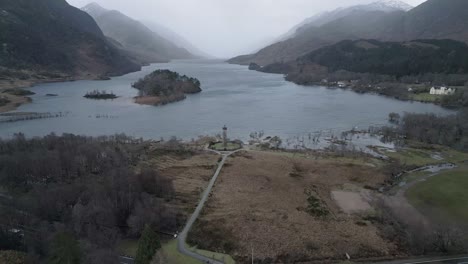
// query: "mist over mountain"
[[52, 38], [175, 38], [328, 16], [434, 19], [145, 45]]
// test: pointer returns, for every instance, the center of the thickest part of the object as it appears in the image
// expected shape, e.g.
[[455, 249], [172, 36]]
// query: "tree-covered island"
[[163, 86]]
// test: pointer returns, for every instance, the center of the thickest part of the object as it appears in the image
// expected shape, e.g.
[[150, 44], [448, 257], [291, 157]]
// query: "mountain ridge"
[[142, 43], [49, 39], [328, 16], [434, 19]]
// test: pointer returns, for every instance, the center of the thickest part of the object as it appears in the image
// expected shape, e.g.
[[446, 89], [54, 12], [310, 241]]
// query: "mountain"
[[49, 38], [434, 19], [392, 58], [175, 38], [326, 17], [360, 24], [94, 9], [145, 45]]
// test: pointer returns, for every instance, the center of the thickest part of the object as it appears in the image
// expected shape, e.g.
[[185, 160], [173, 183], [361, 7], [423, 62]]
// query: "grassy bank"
[[443, 195], [423, 155], [169, 253]]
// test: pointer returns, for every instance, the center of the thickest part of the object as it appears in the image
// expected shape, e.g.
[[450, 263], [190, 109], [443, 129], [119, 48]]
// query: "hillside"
[[392, 58], [173, 37], [402, 70], [437, 19], [49, 39], [142, 43], [323, 18]]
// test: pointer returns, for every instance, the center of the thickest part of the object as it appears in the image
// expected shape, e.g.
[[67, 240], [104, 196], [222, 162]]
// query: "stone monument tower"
[[225, 138]]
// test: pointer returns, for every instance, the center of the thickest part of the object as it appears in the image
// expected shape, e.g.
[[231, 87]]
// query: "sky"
[[226, 28]]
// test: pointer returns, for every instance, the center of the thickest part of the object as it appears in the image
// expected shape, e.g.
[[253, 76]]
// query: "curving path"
[[181, 240]]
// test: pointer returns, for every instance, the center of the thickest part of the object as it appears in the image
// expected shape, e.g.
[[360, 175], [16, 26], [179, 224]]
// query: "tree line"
[[78, 196], [451, 130]]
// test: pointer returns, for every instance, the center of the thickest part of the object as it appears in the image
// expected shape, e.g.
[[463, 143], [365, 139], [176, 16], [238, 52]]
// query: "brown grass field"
[[260, 201], [190, 175]]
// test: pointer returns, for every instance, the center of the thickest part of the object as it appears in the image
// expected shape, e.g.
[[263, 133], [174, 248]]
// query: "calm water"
[[244, 100]]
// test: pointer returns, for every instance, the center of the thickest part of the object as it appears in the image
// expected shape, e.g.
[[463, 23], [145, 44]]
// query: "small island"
[[163, 86], [100, 95]]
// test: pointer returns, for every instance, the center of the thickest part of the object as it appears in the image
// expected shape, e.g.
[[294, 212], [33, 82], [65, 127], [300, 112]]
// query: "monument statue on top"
[[225, 138]]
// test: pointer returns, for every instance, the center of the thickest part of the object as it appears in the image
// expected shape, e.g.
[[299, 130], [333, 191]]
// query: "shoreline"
[[158, 100], [15, 101], [408, 95]]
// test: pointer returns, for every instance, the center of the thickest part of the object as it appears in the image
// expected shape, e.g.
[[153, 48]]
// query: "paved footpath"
[[439, 260], [181, 240]]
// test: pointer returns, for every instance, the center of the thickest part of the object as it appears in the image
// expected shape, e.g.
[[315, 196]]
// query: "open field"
[[425, 97], [418, 156], [444, 196], [190, 175], [283, 207]]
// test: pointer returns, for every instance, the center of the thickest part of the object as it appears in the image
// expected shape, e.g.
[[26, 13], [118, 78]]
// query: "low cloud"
[[226, 28]]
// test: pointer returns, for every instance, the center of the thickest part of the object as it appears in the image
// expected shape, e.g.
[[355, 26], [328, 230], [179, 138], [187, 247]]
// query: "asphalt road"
[[440, 260], [126, 260]]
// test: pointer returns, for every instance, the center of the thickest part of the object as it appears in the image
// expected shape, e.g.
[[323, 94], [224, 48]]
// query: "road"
[[181, 241], [440, 260], [126, 260]]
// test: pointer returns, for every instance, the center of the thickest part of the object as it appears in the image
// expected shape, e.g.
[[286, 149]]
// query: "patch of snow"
[[392, 4]]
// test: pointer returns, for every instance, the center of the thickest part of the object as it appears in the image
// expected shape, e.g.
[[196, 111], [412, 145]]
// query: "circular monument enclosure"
[[229, 146], [225, 144]]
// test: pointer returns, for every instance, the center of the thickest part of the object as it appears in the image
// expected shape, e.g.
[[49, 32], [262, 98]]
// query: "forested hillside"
[[393, 58], [49, 39]]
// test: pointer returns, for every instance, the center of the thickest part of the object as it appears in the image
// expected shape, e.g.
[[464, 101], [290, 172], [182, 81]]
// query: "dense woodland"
[[393, 58], [164, 86], [73, 197], [451, 131], [436, 62]]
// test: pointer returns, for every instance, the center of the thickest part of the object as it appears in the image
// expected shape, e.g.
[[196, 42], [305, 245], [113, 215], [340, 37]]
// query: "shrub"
[[147, 246]]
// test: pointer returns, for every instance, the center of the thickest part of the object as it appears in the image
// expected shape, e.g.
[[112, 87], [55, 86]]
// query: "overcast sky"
[[225, 28]]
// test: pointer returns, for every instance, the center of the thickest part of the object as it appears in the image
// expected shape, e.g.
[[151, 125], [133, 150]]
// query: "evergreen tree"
[[64, 249], [147, 246]]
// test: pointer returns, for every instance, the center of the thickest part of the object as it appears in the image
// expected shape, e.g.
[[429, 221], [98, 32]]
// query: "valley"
[[246, 101], [343, 140]]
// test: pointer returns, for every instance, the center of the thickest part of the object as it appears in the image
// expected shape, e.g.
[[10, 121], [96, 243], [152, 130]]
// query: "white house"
[[342, 84], [442, 91]]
